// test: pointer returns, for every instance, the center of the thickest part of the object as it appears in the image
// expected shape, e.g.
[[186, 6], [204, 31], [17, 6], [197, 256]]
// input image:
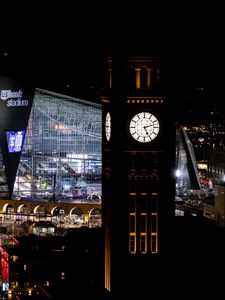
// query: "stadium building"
[[51, 145]]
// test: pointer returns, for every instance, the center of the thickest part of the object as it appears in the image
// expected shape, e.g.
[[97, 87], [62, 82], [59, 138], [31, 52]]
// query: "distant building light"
[[177, 173], [202, 166], [201, 140]]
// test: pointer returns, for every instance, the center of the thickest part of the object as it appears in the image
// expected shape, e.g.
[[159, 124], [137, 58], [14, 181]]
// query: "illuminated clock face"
[[144, 127], [108, 126]]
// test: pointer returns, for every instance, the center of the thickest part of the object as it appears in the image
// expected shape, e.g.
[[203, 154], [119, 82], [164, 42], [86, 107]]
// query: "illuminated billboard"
[[15, 140]]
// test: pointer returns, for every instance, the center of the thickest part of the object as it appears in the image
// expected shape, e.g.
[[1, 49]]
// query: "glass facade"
[[187, 176], [61, 158], [4, 191]]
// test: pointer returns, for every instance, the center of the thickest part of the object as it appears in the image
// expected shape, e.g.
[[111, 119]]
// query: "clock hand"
[[146, 129]]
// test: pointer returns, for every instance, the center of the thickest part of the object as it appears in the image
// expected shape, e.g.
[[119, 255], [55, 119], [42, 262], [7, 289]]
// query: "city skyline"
[[176, 238]]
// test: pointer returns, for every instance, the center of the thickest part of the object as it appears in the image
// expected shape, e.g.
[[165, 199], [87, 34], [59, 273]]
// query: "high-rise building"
[[138, 164]]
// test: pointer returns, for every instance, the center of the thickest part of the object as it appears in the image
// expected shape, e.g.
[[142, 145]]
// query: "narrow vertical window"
[[132, 233], [143, 233], [154, 232]]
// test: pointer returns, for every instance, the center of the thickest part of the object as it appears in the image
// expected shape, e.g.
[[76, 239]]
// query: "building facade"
[[60, 153], [138, 164]]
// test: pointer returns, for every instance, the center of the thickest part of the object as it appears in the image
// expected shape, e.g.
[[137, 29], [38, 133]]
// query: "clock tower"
[[138, 163]]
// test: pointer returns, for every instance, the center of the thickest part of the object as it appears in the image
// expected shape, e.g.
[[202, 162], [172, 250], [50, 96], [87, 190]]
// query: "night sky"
[[61, 48], [80, 60]]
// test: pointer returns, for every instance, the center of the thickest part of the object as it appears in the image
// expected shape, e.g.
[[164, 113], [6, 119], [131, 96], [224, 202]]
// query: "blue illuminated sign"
[[15, 140]]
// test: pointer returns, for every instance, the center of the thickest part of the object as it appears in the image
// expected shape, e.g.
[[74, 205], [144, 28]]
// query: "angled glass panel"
[[61, 157]]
